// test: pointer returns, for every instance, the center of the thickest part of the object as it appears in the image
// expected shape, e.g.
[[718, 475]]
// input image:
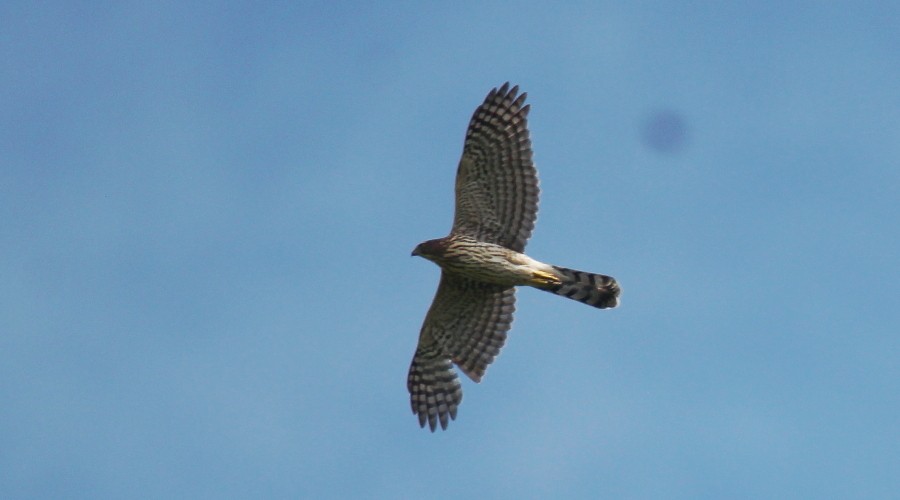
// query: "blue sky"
[[207, 212]]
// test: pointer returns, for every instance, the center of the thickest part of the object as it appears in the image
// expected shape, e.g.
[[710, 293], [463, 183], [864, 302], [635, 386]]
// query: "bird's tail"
[[593, 289]]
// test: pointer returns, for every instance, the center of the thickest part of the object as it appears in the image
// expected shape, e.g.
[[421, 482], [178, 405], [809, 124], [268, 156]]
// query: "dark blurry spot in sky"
[[664, 131]]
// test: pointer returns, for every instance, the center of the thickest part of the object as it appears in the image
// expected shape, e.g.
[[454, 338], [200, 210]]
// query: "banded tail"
[[592, 289]]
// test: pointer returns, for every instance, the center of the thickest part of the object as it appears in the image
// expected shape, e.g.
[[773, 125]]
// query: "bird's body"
[[485, 262], [482, 260]]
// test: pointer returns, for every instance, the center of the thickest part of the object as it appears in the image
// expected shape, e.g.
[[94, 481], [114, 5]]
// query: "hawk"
[[482, 260]]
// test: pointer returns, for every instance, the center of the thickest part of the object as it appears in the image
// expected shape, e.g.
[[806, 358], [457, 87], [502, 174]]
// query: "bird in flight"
[[482, 260]]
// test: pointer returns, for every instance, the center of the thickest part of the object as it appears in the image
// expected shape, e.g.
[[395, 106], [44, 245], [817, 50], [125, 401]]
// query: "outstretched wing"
[[466, 324], [496, 182]]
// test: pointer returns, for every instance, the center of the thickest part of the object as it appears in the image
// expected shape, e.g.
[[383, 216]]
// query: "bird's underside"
[[482, 260]]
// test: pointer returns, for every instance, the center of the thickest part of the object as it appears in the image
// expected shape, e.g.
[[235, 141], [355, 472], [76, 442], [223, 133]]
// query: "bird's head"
[[430, 249]]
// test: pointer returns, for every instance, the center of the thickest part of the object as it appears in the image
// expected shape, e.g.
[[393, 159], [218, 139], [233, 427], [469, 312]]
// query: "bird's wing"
[[496, 182], [466, 324]]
